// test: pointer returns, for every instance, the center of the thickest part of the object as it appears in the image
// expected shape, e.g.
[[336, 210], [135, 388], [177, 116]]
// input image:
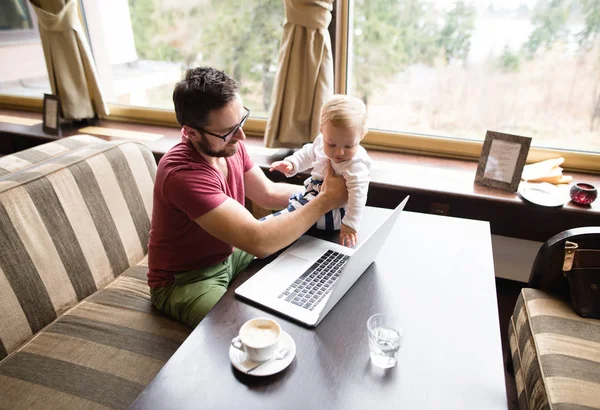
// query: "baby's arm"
[[285, 167], [303, 158], [299, 161], [357, 181]]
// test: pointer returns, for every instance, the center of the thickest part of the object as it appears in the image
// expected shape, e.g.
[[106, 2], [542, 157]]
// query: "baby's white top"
[[355, 171]]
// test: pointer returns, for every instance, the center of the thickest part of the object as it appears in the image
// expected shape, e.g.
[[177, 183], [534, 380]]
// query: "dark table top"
[[436, 273]]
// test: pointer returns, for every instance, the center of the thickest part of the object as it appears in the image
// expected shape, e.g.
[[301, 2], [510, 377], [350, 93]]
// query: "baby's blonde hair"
[[345, 111]]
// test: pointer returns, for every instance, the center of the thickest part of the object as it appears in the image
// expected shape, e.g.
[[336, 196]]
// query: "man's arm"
[[266, 193], [232, 223]]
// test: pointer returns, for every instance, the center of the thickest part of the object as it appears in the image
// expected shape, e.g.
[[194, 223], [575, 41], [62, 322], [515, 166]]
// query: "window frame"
[[377, 139]]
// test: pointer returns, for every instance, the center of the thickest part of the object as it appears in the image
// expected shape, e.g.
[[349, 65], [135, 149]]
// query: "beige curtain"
[[304, 79], [71, 68]]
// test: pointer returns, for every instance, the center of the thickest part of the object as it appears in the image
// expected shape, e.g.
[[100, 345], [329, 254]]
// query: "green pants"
[[195, 292]]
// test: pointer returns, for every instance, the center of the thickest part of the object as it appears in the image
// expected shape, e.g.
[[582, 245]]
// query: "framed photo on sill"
[[51, 123], [502, 160]]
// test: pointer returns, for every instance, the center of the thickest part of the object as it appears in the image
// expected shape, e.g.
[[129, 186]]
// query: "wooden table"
[[435, 272]]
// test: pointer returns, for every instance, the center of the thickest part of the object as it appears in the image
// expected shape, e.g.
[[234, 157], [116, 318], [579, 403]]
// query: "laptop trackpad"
[[293, 263]]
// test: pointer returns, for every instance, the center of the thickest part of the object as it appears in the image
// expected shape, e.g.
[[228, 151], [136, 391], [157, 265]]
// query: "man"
[[202, 236]]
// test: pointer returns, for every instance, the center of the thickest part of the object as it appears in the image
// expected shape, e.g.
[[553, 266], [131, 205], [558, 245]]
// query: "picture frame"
[[51, 115], [502, 160]]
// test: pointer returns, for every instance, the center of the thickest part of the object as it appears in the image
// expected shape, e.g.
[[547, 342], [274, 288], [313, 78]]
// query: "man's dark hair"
[[202, 90]]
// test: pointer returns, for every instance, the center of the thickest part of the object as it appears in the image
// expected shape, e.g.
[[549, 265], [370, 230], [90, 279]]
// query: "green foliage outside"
[[587, 39], [149, 26], [509, 61], [244, 41], [591, 11], [14, 15], [550, 20], [455, 36], [243, 37], [388, 36]]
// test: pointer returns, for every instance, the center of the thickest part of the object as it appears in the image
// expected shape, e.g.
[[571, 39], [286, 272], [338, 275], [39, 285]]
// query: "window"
[[15, 15], [23, 69], [458, 68], [142, 47], [435, 74]]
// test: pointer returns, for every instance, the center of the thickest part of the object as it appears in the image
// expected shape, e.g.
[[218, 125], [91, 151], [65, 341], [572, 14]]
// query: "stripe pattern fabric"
[[100, 354], [69, 225], [32, 156], [77, 327], [331, 221], [555, 354]]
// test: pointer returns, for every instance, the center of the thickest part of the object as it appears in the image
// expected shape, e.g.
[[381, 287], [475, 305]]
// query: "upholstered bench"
[[32, 156], [77, 328], [555, 354]]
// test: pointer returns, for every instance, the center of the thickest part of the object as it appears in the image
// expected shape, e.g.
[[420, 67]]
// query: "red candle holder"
[[583, 194]]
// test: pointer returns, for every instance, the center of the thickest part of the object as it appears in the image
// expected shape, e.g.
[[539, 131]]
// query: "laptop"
[[307, 279]]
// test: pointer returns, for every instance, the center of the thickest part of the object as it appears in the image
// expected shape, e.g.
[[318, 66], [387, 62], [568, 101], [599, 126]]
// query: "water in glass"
[[384, 343]]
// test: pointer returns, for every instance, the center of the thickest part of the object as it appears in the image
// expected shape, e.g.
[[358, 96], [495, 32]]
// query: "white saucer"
[[543, 194], [242, 363]]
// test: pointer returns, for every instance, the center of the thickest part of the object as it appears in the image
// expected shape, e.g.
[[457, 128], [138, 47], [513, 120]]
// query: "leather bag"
[[582, 269]]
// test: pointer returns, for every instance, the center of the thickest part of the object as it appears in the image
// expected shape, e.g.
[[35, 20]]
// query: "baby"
[[343, 126]]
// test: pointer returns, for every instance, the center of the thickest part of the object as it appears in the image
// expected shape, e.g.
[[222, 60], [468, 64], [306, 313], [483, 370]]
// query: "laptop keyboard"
[[316, 282]]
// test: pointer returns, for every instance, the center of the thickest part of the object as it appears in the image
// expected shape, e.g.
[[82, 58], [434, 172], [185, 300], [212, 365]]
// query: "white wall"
[[513, 258]]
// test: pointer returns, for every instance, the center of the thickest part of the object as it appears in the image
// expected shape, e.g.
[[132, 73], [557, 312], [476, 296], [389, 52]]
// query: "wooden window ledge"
[[437, 185]]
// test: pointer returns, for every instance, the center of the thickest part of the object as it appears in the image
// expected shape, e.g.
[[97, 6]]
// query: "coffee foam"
[[260, 334]]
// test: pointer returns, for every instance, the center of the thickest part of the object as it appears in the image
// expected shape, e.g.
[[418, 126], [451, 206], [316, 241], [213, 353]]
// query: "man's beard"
[[203, 147]]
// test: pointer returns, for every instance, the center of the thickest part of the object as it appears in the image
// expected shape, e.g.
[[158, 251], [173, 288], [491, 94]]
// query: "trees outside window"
[[458, 69], [241, 38], [442, 68]]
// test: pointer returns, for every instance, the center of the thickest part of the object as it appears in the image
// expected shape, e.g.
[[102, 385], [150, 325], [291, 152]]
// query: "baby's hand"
[[282, 166], [348, 236]]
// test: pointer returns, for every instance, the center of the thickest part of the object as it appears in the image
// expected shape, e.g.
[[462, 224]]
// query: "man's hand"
[[334, 189], [348, 236], [284, 167]]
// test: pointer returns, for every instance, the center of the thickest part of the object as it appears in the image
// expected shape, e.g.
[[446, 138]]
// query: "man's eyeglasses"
[[231, 132]]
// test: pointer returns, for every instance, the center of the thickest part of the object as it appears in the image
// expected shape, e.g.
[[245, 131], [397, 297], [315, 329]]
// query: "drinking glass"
[[385, 338]]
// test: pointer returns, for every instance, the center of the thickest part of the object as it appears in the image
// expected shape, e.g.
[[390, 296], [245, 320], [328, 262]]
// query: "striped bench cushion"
[[100, 354], [29, 157], [68, 227], [555, 353]]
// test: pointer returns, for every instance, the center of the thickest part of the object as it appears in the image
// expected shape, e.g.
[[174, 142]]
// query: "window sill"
[[437, 185]]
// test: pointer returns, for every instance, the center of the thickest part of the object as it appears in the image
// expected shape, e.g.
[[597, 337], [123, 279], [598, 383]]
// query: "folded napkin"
[[546, 171]]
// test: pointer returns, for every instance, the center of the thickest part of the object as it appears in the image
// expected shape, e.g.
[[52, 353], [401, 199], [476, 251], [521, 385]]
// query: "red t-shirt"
[[187, 187]]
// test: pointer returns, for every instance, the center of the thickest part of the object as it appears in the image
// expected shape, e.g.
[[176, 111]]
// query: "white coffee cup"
[[258, 338]]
